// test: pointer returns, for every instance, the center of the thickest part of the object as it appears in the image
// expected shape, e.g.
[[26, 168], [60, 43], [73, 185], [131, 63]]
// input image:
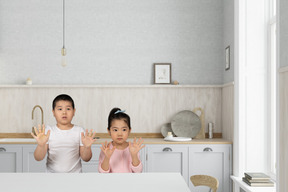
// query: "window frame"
[[271, 91]]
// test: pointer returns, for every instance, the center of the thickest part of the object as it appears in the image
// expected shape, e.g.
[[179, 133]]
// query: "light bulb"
[[63, 62], [63, 53]]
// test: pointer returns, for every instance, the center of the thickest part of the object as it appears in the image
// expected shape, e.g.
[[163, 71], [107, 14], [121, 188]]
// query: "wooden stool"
[[205, 180]]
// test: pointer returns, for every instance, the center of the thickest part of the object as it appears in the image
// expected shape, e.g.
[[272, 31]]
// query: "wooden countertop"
[[146, 141], [161, 141], [149, 138]]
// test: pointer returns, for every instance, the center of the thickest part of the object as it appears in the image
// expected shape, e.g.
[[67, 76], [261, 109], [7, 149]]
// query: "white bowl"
[[177, 139]]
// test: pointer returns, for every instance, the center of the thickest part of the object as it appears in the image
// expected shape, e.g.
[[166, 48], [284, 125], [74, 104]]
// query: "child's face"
[[63, 112], [119, 131]]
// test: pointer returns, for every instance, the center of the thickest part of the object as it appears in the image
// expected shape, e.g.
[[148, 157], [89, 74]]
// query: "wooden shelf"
[[115, 86]]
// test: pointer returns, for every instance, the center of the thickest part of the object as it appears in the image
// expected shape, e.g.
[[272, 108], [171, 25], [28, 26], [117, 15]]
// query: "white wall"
[[112, 41]]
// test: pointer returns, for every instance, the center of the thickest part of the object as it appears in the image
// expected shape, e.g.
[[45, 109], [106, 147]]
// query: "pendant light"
[[63, 50]]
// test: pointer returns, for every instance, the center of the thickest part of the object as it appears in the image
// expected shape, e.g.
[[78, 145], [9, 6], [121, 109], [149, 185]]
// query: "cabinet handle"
[[208, 149], [167, 149], [2, 149]]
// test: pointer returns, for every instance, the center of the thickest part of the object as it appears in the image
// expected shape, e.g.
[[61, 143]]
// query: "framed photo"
[[162, 73], [227, 58]]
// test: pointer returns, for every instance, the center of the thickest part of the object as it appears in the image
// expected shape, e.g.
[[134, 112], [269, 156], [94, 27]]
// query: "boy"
[[64, 142]]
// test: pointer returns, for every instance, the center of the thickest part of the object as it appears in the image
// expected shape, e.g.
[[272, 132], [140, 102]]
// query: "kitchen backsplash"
[[148, 106], [228, 112]]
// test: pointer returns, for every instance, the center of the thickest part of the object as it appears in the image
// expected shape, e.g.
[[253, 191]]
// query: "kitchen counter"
[[46, 182], [146, 141], [161, 141]]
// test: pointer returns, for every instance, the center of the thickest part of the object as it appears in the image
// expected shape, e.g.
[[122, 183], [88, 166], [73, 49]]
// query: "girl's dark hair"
[[62, 97], [116, 113]]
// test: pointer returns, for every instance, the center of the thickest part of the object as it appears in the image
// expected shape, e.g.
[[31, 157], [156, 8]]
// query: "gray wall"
[[283, 40], [228, 76], [114, 41]]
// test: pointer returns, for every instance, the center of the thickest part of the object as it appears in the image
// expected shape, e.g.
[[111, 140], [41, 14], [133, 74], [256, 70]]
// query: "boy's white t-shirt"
[[64, 150]]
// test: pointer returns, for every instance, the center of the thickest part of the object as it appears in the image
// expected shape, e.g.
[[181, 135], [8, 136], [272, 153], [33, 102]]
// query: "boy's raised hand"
[[106, 149], [40, 136], [88, 138], [136, 146]]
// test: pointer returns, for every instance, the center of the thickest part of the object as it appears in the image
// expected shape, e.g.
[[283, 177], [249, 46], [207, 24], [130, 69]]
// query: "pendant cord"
[[63, 23]]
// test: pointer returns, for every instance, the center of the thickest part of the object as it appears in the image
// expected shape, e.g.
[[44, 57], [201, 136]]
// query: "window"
[[271, 168], [255, 89]]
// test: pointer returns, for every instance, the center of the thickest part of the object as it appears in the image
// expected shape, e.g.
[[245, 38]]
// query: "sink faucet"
[[33, 115]]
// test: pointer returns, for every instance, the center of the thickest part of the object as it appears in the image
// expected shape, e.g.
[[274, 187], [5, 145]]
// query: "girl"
[[120, 156]]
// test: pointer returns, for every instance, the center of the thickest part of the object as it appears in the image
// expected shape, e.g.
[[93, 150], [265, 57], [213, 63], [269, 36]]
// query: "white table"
[[84, 182], [238, 183]]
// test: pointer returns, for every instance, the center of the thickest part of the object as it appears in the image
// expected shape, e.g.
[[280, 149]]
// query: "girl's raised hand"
[[136, 146], [106, 149], [88, 138], [40, 136]]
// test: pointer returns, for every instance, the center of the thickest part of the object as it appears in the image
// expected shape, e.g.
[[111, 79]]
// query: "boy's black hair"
[[62, 97], [116, 113]]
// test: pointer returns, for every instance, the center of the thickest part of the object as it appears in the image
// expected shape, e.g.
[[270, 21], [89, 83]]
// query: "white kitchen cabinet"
[[29, 162], [92, 165], [187, 159], [20, 158], [143, 159], [31, 165], [214, 160], [10, 158], [193, 159], [167, 158]]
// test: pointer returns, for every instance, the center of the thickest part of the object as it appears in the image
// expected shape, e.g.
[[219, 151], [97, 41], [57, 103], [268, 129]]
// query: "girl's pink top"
[[120, 162]]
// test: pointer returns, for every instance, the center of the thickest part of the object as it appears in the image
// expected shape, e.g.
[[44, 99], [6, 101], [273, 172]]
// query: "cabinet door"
[[142, 154], [29, 162], [92, 165], [167, 158], [213, 160], [10, 158]]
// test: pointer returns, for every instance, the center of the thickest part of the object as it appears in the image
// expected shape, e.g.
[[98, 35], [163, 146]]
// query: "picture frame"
[[162, 73], [227, 58]]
